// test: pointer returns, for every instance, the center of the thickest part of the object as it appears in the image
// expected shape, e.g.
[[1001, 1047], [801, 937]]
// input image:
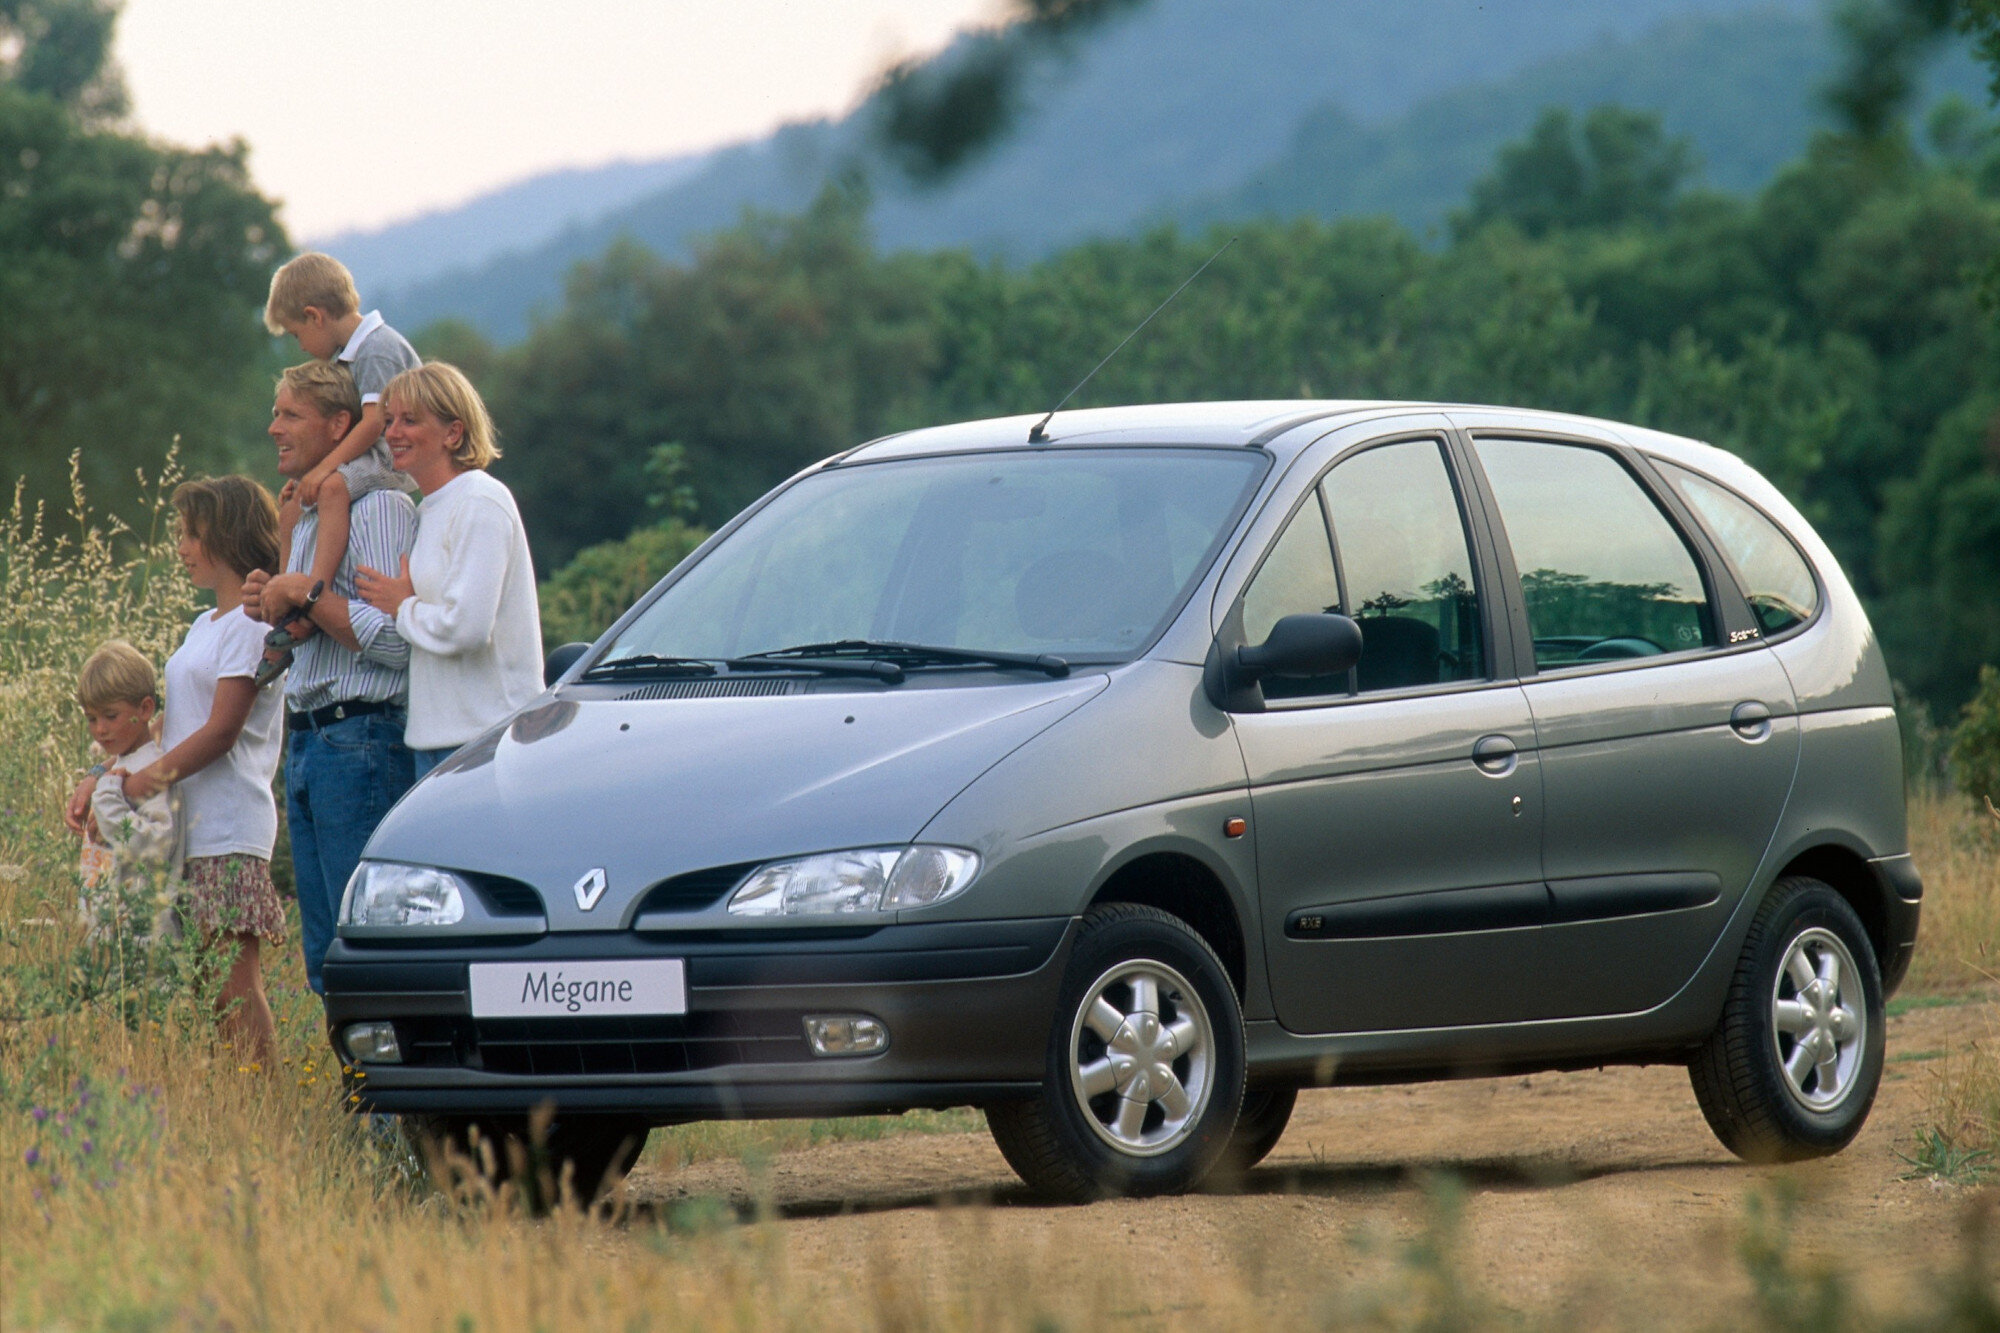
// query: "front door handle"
[[1495, 755], [1750, 720]]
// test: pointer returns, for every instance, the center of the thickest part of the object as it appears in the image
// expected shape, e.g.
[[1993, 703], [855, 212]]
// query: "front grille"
[[696, 890], [558, 1047], [730, 687]]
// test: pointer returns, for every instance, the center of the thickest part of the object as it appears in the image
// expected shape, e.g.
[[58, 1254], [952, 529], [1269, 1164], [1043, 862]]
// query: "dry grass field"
[[151, 1180]]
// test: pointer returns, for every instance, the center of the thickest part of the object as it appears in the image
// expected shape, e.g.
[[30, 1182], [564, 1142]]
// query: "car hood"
[[650, 789]]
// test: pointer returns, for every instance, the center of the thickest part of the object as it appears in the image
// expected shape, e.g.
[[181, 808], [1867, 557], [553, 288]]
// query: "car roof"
[[1261, 422]]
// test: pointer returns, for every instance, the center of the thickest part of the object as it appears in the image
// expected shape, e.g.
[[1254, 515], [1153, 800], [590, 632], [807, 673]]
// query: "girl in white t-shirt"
[[223, 738]]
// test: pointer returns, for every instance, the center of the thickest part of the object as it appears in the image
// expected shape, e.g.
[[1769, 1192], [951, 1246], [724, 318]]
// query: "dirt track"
[[1596, 1197]]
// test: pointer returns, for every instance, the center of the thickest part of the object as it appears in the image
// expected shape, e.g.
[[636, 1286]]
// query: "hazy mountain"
[[1200, 109], [514, 217], [1743, 87]]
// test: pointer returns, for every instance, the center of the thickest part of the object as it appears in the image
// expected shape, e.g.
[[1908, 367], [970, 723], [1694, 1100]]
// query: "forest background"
[[1836, 327]]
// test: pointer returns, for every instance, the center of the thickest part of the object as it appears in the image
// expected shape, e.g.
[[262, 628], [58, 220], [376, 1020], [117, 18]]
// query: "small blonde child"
[[128, 845], [314, 301]]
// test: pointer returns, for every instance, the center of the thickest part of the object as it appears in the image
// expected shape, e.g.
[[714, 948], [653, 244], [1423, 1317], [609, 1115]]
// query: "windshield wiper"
[[919, 654], [887, 672], [649, 664]]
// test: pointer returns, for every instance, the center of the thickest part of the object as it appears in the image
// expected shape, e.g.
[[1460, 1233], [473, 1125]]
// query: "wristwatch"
[[312, 597]]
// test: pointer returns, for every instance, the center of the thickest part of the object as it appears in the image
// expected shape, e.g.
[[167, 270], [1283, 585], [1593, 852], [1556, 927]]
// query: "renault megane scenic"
[[1124, 781]]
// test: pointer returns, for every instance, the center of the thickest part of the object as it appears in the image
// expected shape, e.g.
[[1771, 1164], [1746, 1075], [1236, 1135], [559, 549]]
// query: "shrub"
[[1975, 745], [581, 599]]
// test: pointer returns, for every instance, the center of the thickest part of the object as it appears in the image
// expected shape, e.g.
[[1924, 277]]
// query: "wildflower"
[[32, 1156], [38, 1113], [88, 1146]]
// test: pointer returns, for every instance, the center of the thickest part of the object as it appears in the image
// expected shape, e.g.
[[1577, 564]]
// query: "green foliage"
[[1617, 167], [582, 599], [131, 272], [787, 340], [1938, 1157], [63, 49], [1975, 745]]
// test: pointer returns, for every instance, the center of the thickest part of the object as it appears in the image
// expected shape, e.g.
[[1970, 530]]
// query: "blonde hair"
[[327, 385], [442, 390], [117, 673], [235, 520], [310, 279]]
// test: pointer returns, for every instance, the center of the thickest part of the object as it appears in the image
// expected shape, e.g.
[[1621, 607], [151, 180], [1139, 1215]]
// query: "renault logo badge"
[[590, 888]]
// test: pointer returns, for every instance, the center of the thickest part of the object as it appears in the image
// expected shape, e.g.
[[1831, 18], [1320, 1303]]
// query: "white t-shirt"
[[474, 627], [227, 807]]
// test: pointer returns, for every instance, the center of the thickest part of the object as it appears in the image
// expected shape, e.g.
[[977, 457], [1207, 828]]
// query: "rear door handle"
[[1751, 720], [1495, 755]]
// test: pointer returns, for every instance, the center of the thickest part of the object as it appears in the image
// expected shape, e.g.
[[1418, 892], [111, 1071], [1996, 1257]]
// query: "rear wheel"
[[1144, 1074], [587, 1154], [1791, 1070]]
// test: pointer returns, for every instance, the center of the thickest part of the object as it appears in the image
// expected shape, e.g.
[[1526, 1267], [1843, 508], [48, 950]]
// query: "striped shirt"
[[382, 527]]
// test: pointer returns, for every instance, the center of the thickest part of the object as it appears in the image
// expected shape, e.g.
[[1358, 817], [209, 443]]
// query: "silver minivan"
[[1124, 780]]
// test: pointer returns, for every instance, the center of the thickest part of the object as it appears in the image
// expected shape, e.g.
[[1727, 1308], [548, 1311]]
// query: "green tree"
[[1617, 167], [130, 272]]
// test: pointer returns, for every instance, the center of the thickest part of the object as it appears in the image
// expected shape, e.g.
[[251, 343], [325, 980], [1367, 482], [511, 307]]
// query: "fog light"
[[846, 1034], [372, 1044]]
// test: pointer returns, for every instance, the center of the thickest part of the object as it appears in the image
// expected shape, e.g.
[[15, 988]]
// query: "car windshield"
[[1077, 553]]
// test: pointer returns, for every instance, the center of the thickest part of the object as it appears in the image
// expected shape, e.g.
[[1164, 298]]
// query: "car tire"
[[1792, 1067], [1147, 1008], [596, 1150], [1259, 1126]]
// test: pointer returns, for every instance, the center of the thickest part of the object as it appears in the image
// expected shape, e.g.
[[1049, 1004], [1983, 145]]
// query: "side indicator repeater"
[[1235, 826]]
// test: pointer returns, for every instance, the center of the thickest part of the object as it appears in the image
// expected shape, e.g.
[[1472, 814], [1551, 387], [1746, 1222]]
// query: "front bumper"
[[967, 1006]]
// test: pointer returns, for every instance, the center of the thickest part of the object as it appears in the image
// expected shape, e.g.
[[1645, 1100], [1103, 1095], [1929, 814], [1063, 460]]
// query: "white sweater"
[[474, 629]]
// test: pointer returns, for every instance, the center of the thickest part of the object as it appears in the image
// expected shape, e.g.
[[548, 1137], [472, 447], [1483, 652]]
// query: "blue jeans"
[[426, 760], [340, 780]]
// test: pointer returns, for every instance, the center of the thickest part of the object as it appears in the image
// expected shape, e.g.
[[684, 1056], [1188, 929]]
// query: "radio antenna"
[[1036, 434]]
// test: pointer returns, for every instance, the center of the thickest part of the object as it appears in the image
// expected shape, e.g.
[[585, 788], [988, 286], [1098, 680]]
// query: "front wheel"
[[1791, 1070], [1144, 1075]]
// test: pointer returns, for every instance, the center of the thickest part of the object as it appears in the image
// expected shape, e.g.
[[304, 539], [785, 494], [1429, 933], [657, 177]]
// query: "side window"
[[1774, 575], [1408, 568], [1297, 578], [1605, 574]]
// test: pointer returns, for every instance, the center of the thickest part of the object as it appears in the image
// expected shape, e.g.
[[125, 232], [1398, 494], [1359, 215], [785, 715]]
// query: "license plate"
[[579, 990]]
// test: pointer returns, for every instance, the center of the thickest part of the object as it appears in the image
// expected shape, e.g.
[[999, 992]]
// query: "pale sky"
[[365, 111]]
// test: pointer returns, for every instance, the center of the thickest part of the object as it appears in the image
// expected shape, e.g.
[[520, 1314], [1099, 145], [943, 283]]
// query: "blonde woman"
[[464, 599]]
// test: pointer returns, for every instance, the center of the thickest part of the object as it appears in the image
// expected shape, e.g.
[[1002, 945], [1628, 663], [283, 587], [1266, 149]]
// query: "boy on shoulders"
[[314, 301]]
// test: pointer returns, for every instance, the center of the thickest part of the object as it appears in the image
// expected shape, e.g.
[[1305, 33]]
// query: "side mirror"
[[561, 660], [1305, 645]]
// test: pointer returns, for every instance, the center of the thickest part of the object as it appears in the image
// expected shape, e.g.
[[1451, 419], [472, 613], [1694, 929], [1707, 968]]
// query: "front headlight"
[[871, 879], [383, 893]]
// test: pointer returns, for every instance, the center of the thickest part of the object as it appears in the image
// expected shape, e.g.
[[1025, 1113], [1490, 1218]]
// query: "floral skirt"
[[233, 895]]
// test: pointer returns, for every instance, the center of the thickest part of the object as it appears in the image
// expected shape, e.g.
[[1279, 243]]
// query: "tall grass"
[[1957, 849], [150, 1179]]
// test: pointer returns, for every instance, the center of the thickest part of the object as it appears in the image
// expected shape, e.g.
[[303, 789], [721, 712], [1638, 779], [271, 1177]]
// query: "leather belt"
[[335, 712]]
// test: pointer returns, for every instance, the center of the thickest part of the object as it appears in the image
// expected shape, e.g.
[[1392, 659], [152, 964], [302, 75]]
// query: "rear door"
[[1668, 733], [1396, 808]]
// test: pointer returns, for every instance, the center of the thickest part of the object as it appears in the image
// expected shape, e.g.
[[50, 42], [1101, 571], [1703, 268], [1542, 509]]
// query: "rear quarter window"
[[1775, 577]]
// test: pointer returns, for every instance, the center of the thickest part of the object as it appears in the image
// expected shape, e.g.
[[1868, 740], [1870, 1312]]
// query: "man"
[[345, 762]]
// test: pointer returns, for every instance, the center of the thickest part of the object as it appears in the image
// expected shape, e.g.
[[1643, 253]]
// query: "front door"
[[1396, 809]]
